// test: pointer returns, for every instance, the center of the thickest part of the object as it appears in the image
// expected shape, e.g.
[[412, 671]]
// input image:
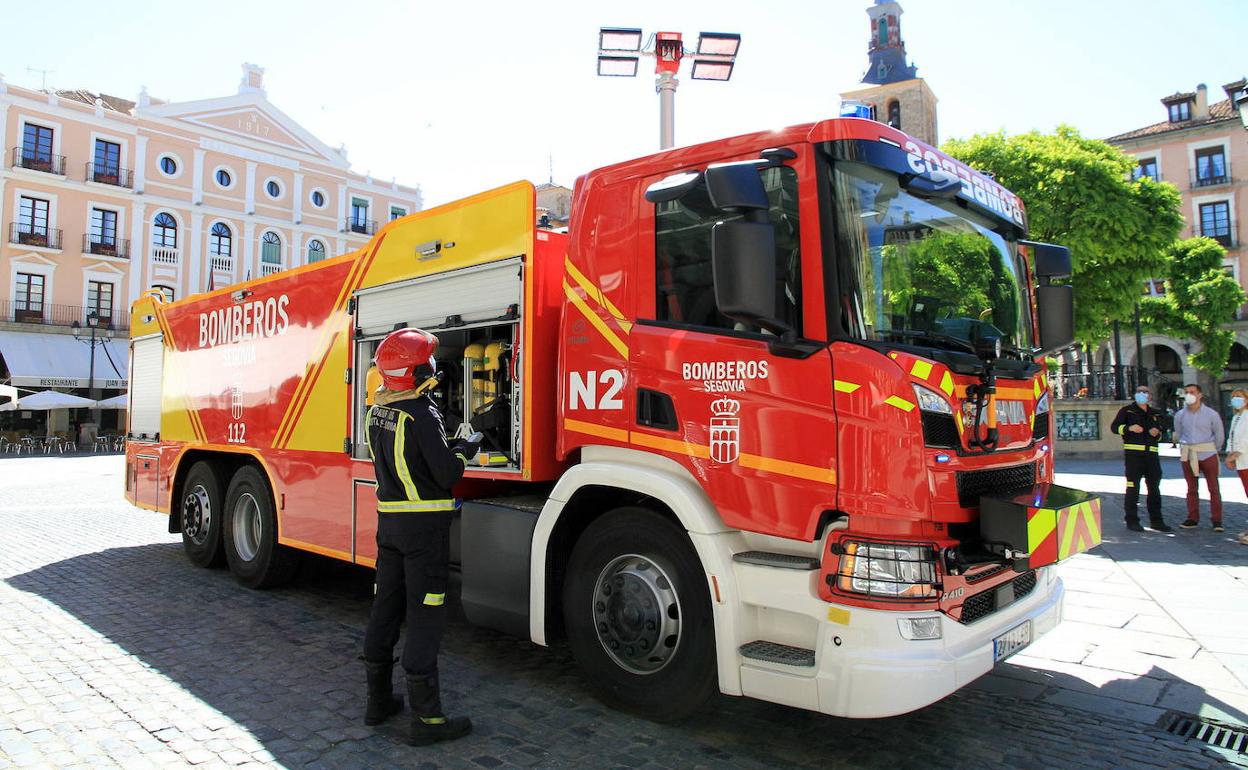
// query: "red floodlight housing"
[[668, 51], [716, 55]]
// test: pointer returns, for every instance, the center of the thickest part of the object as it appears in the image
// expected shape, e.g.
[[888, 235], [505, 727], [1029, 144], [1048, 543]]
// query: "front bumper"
[[865, 669]]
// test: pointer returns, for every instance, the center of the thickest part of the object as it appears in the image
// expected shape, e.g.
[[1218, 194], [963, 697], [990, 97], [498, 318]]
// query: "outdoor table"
[[102, 444]]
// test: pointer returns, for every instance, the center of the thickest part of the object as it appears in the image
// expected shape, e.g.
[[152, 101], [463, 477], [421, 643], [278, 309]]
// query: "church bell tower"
[[891, 85]]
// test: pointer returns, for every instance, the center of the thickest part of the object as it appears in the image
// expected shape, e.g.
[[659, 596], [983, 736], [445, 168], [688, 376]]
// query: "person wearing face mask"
[[1139, 425], [1237, 443], [1199, 431]]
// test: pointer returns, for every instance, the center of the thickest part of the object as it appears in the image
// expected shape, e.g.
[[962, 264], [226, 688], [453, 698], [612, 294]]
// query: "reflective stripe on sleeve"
[[1136, 447], [435, 600], [400, 459], [416, 506], [1121, 429]]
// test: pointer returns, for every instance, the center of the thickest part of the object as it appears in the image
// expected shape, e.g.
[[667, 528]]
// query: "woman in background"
[[1237, 443]]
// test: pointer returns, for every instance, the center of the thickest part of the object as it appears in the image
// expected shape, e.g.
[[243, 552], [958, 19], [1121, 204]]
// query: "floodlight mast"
[[619, 50]]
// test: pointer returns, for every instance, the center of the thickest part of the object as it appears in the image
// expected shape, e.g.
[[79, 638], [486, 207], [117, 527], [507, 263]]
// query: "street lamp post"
[[620, 51], [93, 323]]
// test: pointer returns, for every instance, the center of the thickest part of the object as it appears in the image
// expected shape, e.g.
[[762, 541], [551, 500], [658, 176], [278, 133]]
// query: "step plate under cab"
[[774, 652]]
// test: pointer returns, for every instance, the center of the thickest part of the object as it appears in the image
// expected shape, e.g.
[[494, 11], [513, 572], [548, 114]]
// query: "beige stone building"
[[102, 198], [891, 88]]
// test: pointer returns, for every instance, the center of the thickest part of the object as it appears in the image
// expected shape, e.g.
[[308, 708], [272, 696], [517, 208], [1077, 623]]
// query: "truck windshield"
[[924, 272]]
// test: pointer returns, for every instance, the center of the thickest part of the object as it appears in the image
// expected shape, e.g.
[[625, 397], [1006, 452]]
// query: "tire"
[[250, 533], [200, 515], [656, 660]]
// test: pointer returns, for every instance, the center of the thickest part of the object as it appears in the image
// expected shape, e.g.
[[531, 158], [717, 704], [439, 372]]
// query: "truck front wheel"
[[251, 546], [200, 515], [638, 615]]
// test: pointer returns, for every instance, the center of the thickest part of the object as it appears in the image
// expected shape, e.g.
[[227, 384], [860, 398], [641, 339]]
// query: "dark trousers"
[[1208, 469], [413, 551], [1146, 465]]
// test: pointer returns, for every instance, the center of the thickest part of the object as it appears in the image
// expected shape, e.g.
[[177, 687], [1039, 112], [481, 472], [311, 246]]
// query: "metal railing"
[[38, 161], [1211, 179], [120, 177], [26, 234], [164, 256], [1229, 239], [1100, 382], [47, 314], [104, 246], [361, 226]]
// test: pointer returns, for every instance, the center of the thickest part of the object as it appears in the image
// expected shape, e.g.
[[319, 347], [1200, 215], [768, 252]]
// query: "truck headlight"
[[930, 400], [1042, 406], [890, 570]]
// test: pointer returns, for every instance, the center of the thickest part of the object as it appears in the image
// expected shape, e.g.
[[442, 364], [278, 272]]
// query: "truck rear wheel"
[[638, 615], [201, 513], [251, 546]]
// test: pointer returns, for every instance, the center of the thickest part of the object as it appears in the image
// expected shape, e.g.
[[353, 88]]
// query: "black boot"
[[429, 724], [1160, 526], [382, 702]]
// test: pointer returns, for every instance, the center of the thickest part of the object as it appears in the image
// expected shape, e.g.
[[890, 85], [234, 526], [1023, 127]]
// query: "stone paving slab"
[[115, 652]]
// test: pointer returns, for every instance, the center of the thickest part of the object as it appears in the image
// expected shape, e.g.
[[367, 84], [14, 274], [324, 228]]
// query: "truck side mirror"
[[1055, 306], [736, 187], [1048, 259], [743, 265]]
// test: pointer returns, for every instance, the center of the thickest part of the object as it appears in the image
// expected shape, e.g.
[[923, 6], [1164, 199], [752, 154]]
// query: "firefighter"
[[1140, 427], [416, 469]]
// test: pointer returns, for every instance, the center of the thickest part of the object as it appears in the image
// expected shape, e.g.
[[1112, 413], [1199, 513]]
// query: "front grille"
[[983, 604], [1042, 427], [973, 484], [939, 430]]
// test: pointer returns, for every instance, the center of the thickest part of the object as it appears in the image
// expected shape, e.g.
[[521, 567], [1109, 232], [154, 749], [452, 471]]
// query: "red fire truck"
[[770, 418]]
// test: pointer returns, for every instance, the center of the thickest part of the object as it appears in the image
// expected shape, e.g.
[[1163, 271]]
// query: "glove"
[[469, 447]]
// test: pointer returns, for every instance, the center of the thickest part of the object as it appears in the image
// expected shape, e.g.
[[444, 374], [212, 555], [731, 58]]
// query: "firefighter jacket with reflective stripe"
[[415, 467], [1134, 414]]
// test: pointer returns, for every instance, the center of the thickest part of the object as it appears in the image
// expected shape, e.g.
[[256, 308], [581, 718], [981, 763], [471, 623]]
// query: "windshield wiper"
[[933, 337]]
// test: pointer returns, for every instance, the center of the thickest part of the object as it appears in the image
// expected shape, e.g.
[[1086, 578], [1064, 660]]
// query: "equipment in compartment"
[[481, 391]]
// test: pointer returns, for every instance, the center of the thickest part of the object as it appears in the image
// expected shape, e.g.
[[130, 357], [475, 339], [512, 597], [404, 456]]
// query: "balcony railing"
[[38, 161], [1101, 382], [164, 256], [269, 268], [1228, 237], [104, 246], [361, 226], [47, 314], [25, 234], [1211, 179], [120, 177], [222, 262]]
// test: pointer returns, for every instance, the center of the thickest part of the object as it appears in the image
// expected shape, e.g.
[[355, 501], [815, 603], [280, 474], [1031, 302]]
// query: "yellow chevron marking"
[[595, 320], [900, 403], [596, 294], [921, 369], [845, 387], [946, 384]]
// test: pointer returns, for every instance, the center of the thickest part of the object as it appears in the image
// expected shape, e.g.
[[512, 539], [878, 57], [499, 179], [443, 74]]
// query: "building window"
[[685, 289], [318, 199], [221, 244], [37, 147], [165, 291], [107, 165], [1215, 222], [359, 215], [164, 231], [1180, 111], [223, 178], [273, 189], [28, 299], [100, 300], [1146, 167], [894, 114], [32, 222], [103, 238], [270, 253], [1211, 167], [316, 251], [168, 165], [397, 212]]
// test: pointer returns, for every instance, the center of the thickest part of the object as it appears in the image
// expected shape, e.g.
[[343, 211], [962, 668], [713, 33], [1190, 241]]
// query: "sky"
[[458, 97]]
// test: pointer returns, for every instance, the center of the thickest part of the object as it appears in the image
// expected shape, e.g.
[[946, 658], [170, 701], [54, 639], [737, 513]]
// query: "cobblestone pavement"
[[114, 651]]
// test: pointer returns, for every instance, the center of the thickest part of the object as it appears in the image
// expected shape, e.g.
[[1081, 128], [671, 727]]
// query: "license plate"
[[1011, 642]]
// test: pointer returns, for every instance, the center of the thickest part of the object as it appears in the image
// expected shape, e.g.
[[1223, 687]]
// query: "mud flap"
[[1041, 525]]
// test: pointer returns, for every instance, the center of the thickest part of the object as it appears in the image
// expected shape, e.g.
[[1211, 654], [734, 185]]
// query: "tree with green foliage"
[[1200, 298], [1079, 193]]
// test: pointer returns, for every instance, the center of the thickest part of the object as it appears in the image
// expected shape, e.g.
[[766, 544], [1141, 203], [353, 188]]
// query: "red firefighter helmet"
[[399, 354]]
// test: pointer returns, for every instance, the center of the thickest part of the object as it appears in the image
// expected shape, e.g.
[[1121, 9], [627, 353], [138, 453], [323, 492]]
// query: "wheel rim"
[[637, 614], [197, 515], [246, 527]]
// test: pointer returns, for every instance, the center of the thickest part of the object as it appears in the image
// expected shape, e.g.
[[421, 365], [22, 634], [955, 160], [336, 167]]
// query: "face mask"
[[1237, 402], [1141, 398], [1189, 398]]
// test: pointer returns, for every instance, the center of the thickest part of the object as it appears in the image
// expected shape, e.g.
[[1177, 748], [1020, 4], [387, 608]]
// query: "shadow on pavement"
[[282, 664]]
